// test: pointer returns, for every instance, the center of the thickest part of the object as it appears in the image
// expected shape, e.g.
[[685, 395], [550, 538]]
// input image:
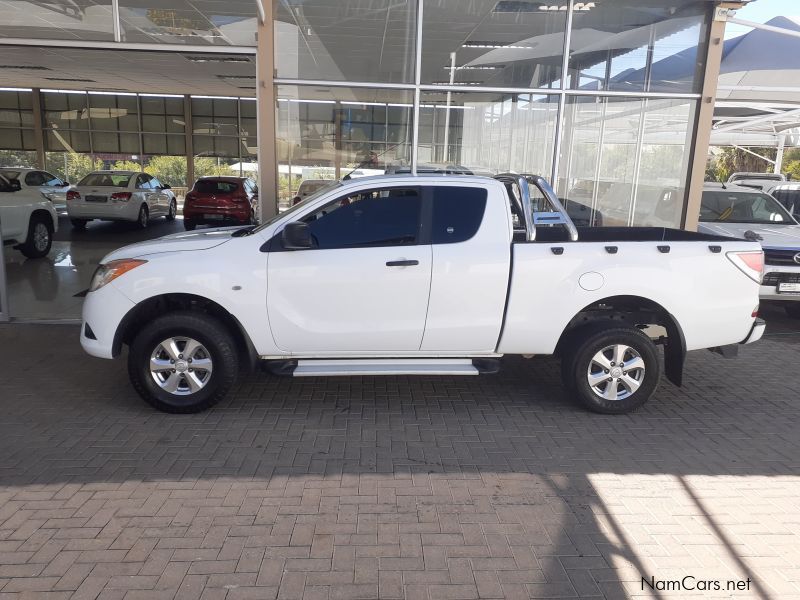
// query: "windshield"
[[742, 207], [299, 205], [106, 180]]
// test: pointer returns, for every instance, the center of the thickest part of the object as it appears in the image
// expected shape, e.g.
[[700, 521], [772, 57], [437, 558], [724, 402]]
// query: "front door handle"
[[402, 263]]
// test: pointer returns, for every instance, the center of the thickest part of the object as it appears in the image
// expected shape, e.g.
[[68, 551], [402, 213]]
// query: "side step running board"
[[385, 366]]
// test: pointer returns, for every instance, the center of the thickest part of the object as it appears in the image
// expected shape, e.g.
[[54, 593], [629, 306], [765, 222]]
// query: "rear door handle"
[[402, 263]]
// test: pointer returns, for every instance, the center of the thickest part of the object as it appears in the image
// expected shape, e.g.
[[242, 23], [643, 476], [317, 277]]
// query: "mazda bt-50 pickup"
[[428, 275]]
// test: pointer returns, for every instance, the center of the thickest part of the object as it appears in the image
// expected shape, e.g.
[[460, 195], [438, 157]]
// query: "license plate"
[[789, 288], [213, 217], [96, 198]]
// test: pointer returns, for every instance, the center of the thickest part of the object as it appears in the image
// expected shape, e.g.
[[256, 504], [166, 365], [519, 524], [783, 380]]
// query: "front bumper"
[[773, 276], [103, 311]]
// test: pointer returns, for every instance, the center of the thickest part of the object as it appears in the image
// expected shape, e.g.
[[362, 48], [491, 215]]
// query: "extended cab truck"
[[28, 219], [421, 275]]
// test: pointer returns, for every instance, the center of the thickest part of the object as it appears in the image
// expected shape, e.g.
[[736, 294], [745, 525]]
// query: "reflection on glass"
[[488, 133], [638, 45], [113, 112], [232, 22], [89, 20], [491, 43], [66, 110], [625, 161], [326, 133], [358, 40]]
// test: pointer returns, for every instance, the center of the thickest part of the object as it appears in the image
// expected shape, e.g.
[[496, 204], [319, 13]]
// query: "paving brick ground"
[[406, 487]]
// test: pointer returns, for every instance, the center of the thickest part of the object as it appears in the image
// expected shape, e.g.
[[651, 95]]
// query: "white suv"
[[51, 187], [28, 220], [120, 196]]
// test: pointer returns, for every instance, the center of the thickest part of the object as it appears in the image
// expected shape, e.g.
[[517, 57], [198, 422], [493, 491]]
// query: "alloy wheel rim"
[[41, 236], [181, 366], [616, 372]]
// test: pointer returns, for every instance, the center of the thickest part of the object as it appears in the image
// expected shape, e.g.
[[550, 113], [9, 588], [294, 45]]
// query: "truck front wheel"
[[613, 370], [183, 362]]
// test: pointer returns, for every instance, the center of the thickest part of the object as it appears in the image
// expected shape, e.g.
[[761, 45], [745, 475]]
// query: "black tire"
[[144, 217], [578, 363], [79, 224], [793, 310], [188, 225], [40, 237], [217, 342], [173, 210]]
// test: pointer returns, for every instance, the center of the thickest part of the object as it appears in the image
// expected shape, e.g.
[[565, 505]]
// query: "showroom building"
[[572, 90], [611, 99]]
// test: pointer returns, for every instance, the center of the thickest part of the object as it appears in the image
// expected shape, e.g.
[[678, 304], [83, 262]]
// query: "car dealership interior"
[[605, 99]]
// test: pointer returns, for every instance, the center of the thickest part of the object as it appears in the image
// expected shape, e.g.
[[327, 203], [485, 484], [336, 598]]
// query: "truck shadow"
[[582, 504]]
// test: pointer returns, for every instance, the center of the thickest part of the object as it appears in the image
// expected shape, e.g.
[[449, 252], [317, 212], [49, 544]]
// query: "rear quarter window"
[[457, 213]]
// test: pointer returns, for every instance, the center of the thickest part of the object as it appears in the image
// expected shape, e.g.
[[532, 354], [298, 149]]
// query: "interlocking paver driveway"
[[490, 487]]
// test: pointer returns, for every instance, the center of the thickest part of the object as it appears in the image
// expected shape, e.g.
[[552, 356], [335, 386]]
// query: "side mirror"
[[297, 236], [166, 186], [65, 183], [15, 185]]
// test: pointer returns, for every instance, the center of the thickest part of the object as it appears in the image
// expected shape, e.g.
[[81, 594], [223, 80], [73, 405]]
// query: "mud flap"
[[674, 352]]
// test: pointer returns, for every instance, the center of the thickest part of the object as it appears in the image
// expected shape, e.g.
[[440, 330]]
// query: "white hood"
[[176, 242], [775, 236]]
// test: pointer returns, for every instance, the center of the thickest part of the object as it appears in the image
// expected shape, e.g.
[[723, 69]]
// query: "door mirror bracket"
[[297, 236]]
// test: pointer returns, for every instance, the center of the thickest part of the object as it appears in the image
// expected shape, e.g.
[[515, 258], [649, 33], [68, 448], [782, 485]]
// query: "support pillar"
[[705, 114], [779, 156], [38, 129], [188, 129], [265, 97]]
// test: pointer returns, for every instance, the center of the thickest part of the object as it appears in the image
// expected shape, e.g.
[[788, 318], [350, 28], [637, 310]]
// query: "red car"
[[219, 201]]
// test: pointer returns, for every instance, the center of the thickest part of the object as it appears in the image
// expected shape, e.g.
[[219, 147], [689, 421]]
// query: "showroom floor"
[[45, 288], [415, 487]]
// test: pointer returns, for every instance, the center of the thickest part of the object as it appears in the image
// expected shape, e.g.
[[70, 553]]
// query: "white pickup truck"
[[28, 219], [430, 275]]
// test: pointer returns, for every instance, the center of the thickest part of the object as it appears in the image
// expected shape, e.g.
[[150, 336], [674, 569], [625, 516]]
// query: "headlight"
[[110, 271]]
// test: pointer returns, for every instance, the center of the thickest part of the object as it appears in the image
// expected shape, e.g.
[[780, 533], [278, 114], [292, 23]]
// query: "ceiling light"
[[475, 67], [24, 67], [8, 89], [218, 59], [480, 44]]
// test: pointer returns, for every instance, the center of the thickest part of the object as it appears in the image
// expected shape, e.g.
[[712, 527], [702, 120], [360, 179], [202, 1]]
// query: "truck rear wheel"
[[613, 370], [183, 362]]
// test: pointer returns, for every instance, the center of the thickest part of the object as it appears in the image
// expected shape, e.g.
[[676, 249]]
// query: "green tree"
[[127, 165], [72, 166], [732, 160], [171, 170]]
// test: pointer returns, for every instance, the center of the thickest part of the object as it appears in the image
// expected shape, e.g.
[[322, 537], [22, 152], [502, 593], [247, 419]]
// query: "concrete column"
[[779, 156], [265, 96], [704, 119], [188, 129], [38, 129]]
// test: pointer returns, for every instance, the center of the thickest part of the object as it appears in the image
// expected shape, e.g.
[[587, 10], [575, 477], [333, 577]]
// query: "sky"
[[762, 11]]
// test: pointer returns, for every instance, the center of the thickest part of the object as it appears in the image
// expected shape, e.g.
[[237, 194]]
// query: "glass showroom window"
[[17, 146], [624, 161], [324, 133], [232, 22], [86, 21], [490, 43], [638, 45], [488, 133], [357, 40]]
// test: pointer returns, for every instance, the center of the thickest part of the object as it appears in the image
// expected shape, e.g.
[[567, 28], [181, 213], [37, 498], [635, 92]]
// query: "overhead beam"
[[764, 27], [757, 120], [141, 47]]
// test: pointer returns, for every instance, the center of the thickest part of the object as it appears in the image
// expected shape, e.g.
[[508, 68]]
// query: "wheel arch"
[[633, 311], [42, 213], [164, 303]]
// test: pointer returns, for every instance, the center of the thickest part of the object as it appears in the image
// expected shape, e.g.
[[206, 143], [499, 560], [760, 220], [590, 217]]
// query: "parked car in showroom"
[[120, 196], [746, 213], [218, 201], [28, 220], [426, 274], [51, 187], [308, 187], [787, 193]]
